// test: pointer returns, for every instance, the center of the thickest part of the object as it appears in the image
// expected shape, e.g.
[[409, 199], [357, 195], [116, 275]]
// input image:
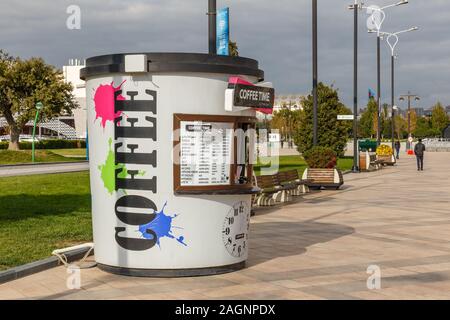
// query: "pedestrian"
[[419, 150], [397, 146]]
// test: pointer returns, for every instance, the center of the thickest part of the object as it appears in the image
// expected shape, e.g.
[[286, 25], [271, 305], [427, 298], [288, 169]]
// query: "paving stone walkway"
[[316, 248]]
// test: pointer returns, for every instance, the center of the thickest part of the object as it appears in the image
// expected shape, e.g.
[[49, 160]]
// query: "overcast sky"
[[277, 33]]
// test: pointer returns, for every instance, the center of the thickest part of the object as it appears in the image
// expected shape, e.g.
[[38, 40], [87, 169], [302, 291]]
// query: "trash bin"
[[153, 216]]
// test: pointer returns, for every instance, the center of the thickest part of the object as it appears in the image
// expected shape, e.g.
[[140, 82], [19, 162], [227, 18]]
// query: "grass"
[[71, 153], [41, 213], [297, 162], [24, 156]]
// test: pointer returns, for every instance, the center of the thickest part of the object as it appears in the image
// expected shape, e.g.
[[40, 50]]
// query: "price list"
[[205, 153]]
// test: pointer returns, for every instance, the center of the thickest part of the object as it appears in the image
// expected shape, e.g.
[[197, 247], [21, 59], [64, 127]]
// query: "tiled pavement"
[[317, 248]]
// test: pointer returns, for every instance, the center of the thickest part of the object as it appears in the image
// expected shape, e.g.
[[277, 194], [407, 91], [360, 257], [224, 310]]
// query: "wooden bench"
[[369, 162], [272, 190], [323, 178], [292, 177]]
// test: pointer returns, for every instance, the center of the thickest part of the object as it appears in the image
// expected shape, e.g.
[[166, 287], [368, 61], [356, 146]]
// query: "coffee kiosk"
[[171, 153]]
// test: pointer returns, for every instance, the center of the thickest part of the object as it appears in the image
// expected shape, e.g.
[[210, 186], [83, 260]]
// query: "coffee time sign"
[[253, 96]]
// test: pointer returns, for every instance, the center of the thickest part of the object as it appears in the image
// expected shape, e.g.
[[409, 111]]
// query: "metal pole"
[[212, 11], [379, 90], [355, 90], [392, 101], [409, 115], [34, 134], [315, 72]]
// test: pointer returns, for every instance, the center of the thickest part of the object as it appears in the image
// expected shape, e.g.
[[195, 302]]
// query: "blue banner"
[[223, 31]]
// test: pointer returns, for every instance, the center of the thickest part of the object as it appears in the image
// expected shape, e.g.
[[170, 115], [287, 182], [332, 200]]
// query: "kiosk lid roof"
[[174, 62]]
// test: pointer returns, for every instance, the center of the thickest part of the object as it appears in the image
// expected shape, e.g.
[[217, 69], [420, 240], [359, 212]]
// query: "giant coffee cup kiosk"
[[170, 155]]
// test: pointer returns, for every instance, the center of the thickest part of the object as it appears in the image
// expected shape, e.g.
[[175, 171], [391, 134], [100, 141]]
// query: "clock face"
[[235, 229]]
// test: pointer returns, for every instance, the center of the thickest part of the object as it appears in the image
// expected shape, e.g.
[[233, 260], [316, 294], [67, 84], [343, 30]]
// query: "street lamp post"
[[409, 96], [39, 106], [392, 46], [376, 23], [355, 7], [315, 71], [212, 25]]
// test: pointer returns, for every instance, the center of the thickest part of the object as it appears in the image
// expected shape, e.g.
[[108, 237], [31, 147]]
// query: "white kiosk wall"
[[141, 226]]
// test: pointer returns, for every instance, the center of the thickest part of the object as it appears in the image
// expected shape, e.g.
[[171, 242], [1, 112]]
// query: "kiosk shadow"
[[273, 240]]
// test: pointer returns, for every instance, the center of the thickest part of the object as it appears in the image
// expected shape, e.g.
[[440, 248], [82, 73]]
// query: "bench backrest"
[[321, 175], [268, 181], [292, 175]]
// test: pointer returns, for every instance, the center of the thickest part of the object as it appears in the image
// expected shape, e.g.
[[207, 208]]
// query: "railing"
[[437, 145]]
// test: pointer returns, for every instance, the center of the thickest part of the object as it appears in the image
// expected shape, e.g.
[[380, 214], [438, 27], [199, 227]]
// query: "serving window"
[[213, 154]]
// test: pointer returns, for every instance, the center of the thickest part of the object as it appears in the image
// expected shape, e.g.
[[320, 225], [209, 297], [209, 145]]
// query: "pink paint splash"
[[104, 102]]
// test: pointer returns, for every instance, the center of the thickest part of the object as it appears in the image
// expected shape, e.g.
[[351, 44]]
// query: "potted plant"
[[386, 154], [322, 171]]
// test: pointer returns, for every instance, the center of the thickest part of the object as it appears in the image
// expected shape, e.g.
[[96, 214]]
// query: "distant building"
[[72, 75], [446, 132], [289, 101], [420, 112], [447, 109]]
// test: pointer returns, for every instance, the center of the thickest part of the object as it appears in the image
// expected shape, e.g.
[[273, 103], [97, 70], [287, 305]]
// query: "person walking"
[[419, 150], [397, 146]]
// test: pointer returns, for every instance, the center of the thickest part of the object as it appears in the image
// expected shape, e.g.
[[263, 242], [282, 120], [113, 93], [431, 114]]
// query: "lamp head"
[[417, 98], [39, 105], [401, 99], [402, 2]]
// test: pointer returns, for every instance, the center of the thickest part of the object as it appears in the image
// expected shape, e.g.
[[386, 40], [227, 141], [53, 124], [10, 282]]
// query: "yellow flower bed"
[[384, 150]]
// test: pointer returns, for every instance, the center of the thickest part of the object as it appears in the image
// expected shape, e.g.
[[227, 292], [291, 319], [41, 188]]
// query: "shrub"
[[320, 157], [48, 144]]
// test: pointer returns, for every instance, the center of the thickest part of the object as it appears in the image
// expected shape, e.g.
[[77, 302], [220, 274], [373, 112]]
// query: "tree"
[[413, 120], [286, 121], [233, 49], [332, 133], [439, 119], [368, 121], [400, 126], [422, 128], [23, 83]]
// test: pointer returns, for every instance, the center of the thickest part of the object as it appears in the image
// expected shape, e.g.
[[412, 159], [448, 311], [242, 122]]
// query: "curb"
[[41, 163], [41, 265]]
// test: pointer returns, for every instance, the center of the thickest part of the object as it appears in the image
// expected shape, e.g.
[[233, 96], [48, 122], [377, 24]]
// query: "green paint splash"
[[108, 170]]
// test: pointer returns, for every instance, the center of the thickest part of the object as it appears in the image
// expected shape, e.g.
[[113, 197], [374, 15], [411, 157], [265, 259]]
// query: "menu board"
[[206, 150]]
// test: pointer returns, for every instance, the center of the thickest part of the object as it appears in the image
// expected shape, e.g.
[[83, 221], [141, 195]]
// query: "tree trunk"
[[14, 141]]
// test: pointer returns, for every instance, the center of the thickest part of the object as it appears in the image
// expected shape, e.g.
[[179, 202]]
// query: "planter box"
[[323, 178]]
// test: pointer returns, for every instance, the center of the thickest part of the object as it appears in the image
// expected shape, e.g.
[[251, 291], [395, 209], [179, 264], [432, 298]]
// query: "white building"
[[290, 101], [72, 75]]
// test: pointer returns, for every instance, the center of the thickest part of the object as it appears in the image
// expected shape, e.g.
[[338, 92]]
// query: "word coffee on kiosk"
[[172, 140]]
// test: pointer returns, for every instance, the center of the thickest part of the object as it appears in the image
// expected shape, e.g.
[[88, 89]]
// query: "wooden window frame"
[[232, 188]]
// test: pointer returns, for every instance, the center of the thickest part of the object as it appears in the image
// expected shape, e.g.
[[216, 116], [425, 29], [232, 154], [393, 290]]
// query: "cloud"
[[277, 33]]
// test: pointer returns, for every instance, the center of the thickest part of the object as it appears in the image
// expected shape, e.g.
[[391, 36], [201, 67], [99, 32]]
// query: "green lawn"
[[73, 153], [24, 156], [297, 162], [41, 213]]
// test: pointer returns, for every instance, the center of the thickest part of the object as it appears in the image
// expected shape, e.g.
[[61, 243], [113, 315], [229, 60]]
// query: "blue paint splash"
[[162, 226]]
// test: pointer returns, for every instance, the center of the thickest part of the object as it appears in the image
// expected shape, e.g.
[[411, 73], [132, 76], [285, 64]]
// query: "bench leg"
[[304, 189], [264, 200], [286, 196], [277, 196]]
